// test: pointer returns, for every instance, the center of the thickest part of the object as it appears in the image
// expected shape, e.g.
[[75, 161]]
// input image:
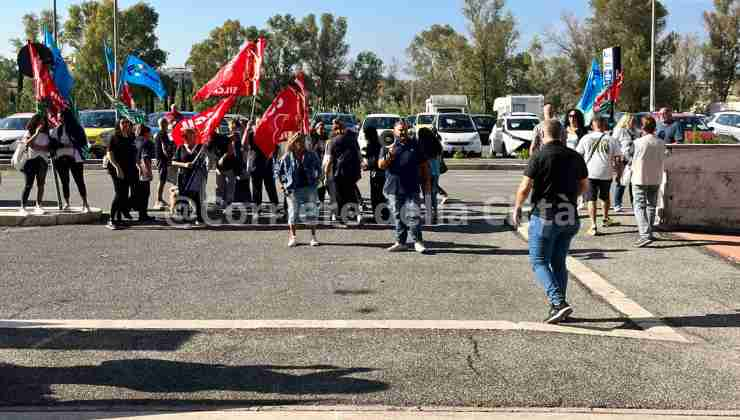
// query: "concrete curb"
[[10, 218]]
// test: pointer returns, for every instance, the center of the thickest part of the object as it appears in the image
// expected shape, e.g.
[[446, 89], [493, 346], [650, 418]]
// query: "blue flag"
[[137, 72], [594, 86], [109, 61], [64, 81]]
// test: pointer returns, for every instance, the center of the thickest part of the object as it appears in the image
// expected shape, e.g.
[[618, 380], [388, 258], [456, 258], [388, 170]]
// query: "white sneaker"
[[619, 209], [292, 243], [359, 219], [420, 248], [314, 242], [66, 207], [22, 212], [86, 209], [444, 199], [38, 210], [397, 248]]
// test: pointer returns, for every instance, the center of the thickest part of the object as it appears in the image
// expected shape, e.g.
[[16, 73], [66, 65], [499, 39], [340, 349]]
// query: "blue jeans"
[[549, 243], [406, 215], [646, 201]]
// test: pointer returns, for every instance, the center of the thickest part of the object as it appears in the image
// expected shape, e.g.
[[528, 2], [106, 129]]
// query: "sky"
[[385, 27]]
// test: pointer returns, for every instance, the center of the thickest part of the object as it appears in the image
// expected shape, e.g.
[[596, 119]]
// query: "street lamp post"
[[652, 62]]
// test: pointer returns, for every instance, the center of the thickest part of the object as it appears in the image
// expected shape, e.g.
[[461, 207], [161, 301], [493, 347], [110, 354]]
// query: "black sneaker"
[[558, 313]]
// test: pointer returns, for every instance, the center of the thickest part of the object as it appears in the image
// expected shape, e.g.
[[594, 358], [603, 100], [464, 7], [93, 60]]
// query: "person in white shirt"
[[647, 175], [36, 140], [601, 152], [68, 159]]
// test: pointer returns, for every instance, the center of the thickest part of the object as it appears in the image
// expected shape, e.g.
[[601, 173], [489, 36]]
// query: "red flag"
[[204, 123], [231, 79], [254, 69], [610, 94], [45, 88], [126, 97], [287, 114]]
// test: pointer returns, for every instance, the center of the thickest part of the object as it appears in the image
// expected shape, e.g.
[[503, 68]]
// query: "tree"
[[722, 51], [209, 55], [437, 58], [89, 24], [33, 24], [493, 35], [683, 69], [366, 73], [328, 58]]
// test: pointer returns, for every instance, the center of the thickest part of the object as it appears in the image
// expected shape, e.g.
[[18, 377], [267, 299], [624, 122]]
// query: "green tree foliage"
[[328, 57], [365, 76], [722, 52], [684, 69], [437, 58], [89, 24]]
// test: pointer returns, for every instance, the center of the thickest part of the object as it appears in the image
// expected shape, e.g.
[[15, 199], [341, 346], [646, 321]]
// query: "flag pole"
[[54, 23], [115, 48], [254, 100]]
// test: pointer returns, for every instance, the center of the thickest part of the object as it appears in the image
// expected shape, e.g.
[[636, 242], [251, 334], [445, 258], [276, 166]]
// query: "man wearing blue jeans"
[[555, 176], [647, 175]]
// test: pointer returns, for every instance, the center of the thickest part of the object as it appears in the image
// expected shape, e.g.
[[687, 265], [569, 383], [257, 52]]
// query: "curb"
[[51, 218]]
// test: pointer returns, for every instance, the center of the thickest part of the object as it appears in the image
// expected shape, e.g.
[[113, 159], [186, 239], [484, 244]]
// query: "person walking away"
[[406, 175], [345, 164], [647, 176], [246, 156], [121, 158], [164, 150], [548, 113], [36, 140], [669, 130], [68, 159], [431, 148], [575, 128], [625, 132], [556, 176], [298, 174], [191, 164], [317, 144], [600, 151], [377, 175], [144, 155]]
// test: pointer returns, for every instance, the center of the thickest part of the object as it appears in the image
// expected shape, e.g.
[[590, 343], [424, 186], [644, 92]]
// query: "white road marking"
[[600, 287], [126, 324]]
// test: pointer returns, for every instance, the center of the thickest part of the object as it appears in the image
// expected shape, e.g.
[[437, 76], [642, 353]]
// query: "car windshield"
[[693, 123], [524, 124], [348, 120], [455, 123], [381, 123], [98, 119], [484, 122], [425, 119], [17, 124]]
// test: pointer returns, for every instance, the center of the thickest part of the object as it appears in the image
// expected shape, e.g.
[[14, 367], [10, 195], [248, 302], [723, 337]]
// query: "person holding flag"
[[190, 160]]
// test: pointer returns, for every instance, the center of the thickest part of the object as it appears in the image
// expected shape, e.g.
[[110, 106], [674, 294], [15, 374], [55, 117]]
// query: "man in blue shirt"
[[669, 130], [407, 172]]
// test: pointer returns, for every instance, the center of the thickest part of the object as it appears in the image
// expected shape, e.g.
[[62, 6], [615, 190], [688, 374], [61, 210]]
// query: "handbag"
[[20, 156], [626, 175]]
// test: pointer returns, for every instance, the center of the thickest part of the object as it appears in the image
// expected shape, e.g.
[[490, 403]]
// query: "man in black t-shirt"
[[556, 176]]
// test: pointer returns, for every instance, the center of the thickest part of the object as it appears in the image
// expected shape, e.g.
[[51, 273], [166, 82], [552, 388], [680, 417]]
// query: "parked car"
[[694, 128], [459, 134], [726, 123], [383, 123], [484, 123], [99, 127], [152, 120], [349, 120], [410, 121], [12, 129], [513, 132], [425, 120]]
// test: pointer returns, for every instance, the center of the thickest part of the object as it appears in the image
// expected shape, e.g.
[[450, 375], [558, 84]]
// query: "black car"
[[484, 123]]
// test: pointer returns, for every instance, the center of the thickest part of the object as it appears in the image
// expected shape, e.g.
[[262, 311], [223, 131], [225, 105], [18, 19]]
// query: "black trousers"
[[377, 198], [346, 196], [120, 204], [243, 193], [258, 180], [66, 165], [142, 192], [195, 196], [34, 170]]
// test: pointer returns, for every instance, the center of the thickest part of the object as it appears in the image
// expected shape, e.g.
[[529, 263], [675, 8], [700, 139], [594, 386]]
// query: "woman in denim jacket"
[[298, 173]]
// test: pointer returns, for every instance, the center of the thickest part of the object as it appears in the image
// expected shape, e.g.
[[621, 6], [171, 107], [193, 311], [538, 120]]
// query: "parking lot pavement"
[[233, 277]]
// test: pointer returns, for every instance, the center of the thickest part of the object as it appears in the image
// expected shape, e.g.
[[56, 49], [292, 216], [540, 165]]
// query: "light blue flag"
[[64, 81], [594, 86], [137, 72], [108, 51]]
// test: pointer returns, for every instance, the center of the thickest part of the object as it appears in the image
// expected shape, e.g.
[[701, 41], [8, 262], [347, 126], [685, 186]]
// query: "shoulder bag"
[[20, 156]]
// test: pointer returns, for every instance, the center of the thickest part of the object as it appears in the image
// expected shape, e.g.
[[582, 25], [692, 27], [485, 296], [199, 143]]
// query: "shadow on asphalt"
[[697, 321], [110, 340], [33, 385]]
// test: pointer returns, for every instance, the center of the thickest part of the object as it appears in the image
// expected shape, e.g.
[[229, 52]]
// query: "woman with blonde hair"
[[299, 173], [626, 133]]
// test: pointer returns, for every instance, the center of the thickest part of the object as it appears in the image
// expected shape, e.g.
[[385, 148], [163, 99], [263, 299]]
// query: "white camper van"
[[438, 104], [519, 103]]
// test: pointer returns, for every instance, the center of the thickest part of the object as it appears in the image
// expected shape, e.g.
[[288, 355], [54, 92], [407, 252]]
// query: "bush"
[[721, 139], [523, 154], [458, 155]]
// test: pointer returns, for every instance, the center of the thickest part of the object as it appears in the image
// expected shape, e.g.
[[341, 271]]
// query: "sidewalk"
[[723, 246]]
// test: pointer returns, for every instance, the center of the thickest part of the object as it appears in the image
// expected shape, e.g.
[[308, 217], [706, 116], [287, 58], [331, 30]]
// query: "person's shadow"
[[24, 385]]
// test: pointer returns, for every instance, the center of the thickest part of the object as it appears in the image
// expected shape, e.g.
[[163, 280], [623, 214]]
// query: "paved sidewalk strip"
[[600, 287]]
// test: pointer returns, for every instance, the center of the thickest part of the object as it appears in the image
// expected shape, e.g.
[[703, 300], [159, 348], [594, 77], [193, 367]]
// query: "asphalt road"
[[477, 271]]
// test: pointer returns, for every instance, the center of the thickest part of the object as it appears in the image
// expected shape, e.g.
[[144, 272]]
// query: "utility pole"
[[652, 62]]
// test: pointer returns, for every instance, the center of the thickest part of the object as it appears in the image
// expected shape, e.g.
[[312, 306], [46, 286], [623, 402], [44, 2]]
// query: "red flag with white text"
[[233, 78], [204, 123], [287, 114]]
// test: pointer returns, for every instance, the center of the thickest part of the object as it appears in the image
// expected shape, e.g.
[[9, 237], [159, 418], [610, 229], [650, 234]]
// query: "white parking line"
[[197, 325], [600, 287]]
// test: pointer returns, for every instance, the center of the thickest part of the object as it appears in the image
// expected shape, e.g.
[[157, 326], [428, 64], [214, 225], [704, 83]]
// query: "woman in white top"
[[68, 159], [625, 132], [36, 140]]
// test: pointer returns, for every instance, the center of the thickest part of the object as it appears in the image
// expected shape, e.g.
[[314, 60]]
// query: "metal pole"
[[54, 23], [652, 62], [115, 48]]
